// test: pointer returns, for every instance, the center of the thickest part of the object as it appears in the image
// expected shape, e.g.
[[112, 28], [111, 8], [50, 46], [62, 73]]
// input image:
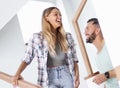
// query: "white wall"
[[29, 17], [109, 17], [8, 9], [11, 48]]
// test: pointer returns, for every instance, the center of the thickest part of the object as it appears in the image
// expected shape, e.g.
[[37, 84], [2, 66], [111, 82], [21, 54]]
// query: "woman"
[[54, 49]]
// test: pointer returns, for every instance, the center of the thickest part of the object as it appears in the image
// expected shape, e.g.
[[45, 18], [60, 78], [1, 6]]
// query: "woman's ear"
[[46, 18]]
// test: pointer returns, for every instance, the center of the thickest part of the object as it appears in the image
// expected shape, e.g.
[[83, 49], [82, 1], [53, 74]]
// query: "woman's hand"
[[77, 82], [15, 80]]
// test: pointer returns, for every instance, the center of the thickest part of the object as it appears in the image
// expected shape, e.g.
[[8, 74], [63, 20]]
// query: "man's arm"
[[117, 73], [114, 73]]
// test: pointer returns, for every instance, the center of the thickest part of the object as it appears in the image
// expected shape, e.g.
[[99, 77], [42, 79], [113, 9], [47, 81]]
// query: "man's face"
[[90, 32]]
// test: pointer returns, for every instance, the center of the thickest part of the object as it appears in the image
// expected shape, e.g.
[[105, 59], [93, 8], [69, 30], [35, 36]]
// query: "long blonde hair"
[[50, 36]]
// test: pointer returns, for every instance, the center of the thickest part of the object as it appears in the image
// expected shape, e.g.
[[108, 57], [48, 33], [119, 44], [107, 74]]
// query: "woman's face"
[[54, 18]]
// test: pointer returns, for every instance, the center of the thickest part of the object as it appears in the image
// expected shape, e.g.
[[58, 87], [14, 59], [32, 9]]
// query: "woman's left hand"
[[77, 83]]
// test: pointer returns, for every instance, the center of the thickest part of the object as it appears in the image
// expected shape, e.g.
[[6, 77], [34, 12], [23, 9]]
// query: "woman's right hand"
[[15, 80], [17, 76]]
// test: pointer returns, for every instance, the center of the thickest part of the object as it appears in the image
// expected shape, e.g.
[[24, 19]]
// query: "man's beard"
[[91, 38]]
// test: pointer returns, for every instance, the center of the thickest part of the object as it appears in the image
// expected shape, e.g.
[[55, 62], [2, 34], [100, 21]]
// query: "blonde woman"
[[56, 54]]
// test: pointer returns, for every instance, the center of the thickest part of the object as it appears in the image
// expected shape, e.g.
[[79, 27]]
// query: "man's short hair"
[[94, 20]]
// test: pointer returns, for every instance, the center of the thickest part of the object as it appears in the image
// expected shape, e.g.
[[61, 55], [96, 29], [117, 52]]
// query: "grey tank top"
[[57, 60]]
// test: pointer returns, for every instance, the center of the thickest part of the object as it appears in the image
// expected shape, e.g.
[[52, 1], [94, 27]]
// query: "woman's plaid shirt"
[[38, 48]]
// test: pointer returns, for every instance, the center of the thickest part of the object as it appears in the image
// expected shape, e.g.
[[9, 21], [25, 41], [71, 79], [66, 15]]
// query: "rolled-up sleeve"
[[74, 54], [30, 51]]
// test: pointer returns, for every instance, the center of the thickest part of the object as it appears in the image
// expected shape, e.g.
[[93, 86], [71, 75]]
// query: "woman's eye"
[[55, 15]]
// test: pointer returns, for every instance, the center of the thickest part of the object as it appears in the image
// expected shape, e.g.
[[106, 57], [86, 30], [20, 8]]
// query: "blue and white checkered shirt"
[[38, 47]]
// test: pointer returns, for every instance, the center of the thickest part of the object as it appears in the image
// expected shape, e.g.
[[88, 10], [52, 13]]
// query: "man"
[[94, 35]]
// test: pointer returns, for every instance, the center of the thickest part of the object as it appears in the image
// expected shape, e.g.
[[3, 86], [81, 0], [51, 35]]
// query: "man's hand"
[[100, 78]]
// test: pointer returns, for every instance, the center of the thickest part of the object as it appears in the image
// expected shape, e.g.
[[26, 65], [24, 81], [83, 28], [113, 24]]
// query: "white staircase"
[[8, 9]]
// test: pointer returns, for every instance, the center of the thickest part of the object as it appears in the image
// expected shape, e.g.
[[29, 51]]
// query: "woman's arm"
[[77, 81], [19, 71]]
